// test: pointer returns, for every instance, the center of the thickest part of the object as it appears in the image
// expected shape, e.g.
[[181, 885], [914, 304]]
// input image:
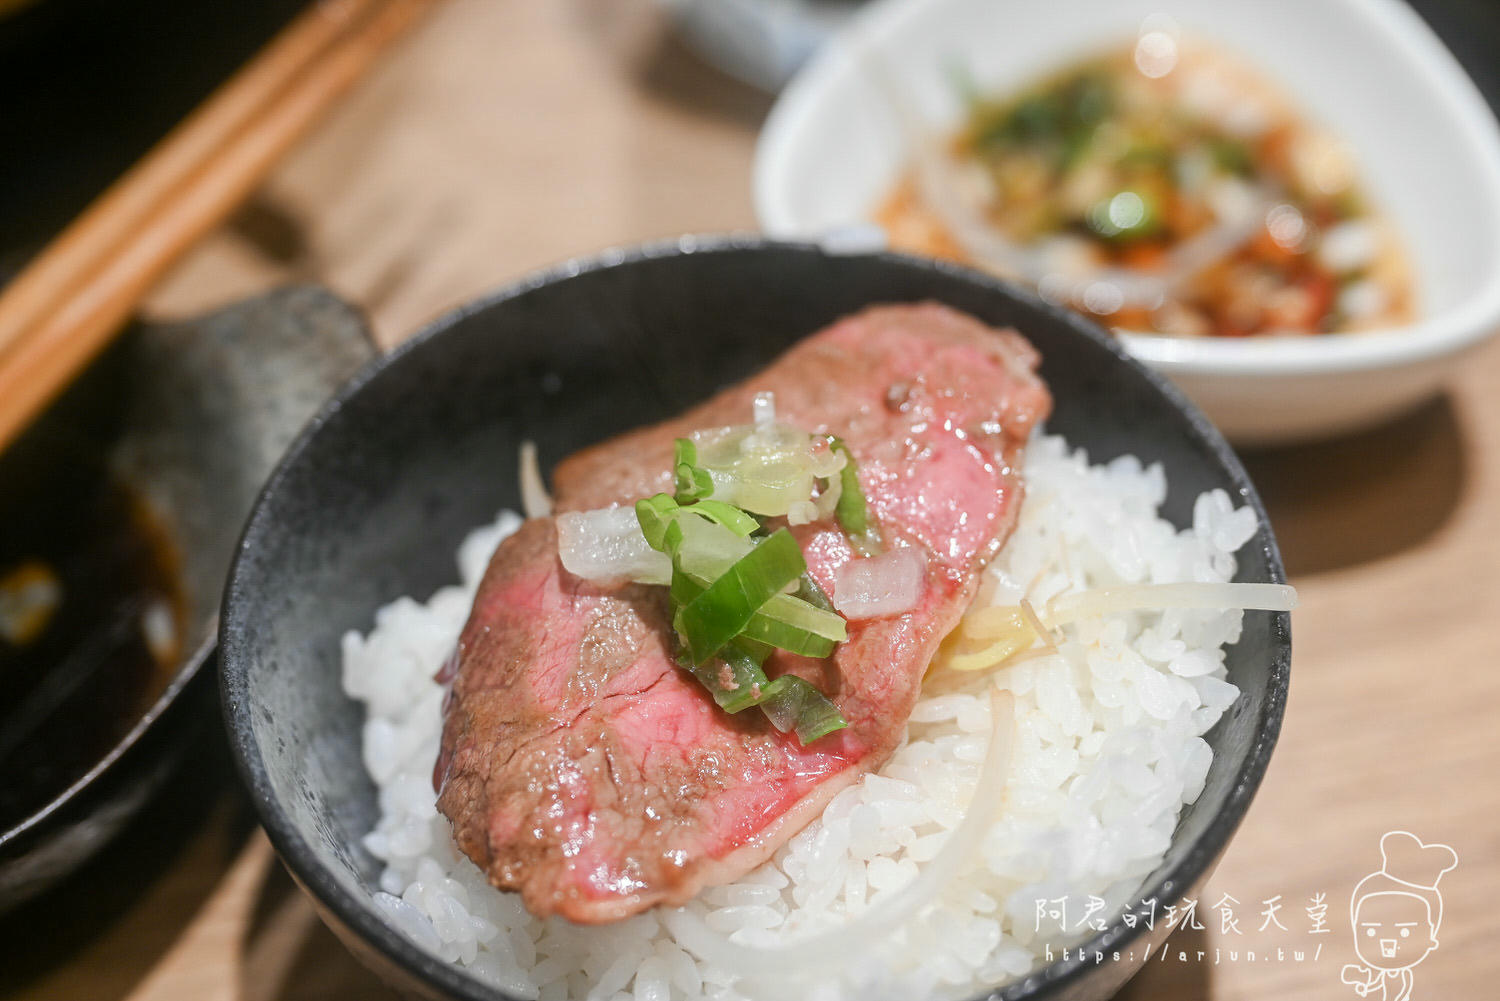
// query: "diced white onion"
[[768, 468], [708, 549], [763, 407], [1362, 299], [764, 469], [606, 546], [1349, 246], [769, 488], [802, 512], [535, 502], [888, 584], [828, 500], [1077, 605], [827, 464]]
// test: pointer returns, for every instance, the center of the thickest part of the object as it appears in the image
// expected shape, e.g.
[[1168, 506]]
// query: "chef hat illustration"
[[1408, 866]]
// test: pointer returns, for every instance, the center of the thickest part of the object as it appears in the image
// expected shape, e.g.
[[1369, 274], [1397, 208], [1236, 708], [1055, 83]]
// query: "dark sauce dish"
[[93, 618], [120, 507], [373, 498]]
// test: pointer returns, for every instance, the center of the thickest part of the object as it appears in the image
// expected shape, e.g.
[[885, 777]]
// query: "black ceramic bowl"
[[372, 500]]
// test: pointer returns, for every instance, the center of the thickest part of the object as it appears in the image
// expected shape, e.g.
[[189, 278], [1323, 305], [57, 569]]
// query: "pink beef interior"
[[582, 768]]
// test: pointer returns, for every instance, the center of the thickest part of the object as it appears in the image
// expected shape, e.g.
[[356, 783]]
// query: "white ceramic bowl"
[[1369, 70]]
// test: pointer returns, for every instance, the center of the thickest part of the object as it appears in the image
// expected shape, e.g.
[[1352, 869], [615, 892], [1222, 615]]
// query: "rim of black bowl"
[[361, 917], [186, 672]]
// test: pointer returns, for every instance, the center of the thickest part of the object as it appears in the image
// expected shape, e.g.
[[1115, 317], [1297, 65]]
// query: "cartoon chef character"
[[1396, 913]]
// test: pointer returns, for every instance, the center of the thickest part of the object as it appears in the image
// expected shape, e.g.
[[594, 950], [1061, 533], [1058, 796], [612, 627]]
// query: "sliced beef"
[[582, 768]]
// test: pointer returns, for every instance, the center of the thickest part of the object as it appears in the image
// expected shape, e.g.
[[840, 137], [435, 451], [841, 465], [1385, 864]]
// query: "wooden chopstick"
[[64, 307], [109, 220]]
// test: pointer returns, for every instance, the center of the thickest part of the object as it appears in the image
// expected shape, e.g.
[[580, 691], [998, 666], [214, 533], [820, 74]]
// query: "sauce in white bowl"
[[1368, 71]]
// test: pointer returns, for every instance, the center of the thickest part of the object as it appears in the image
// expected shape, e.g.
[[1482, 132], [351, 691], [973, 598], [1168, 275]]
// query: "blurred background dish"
[[1162, 187], [121, 507], [850, 127], [121, 500], [761, 42]]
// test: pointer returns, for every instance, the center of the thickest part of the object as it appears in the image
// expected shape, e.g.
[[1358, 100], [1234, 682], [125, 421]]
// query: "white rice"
[[1107, 749]]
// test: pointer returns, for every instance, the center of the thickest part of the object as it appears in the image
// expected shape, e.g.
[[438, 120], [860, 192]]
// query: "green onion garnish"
[[738, 594], [851, 510], [655, 514], [735, 680], [724, 610], [792, 703], [738, 682], [785, 622], [728, 515], [811, 592], [793, 639], [658, 512], [691, 482], [792, 611]]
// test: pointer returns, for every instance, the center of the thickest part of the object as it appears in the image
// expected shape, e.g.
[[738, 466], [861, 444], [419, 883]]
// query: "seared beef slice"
[[582, 768]]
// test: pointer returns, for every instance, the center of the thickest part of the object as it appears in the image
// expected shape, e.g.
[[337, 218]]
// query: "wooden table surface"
[[505, 135]]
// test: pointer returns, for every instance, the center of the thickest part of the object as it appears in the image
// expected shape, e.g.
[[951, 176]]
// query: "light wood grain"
[[510, 135], [65, 306], [111, 218]]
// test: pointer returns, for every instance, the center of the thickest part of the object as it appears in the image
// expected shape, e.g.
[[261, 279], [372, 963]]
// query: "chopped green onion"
[[852, 512], [724, 610], [736, 597], [764, 629], [811, 592], [655, 514], [786, 609], [659, 513], [759, 651], [799, 614], [735, 680], [784, 622], [728, 515], [704, 549], [692, 483], [738, 682], [792, 703], [684, 588], [749, 678]]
